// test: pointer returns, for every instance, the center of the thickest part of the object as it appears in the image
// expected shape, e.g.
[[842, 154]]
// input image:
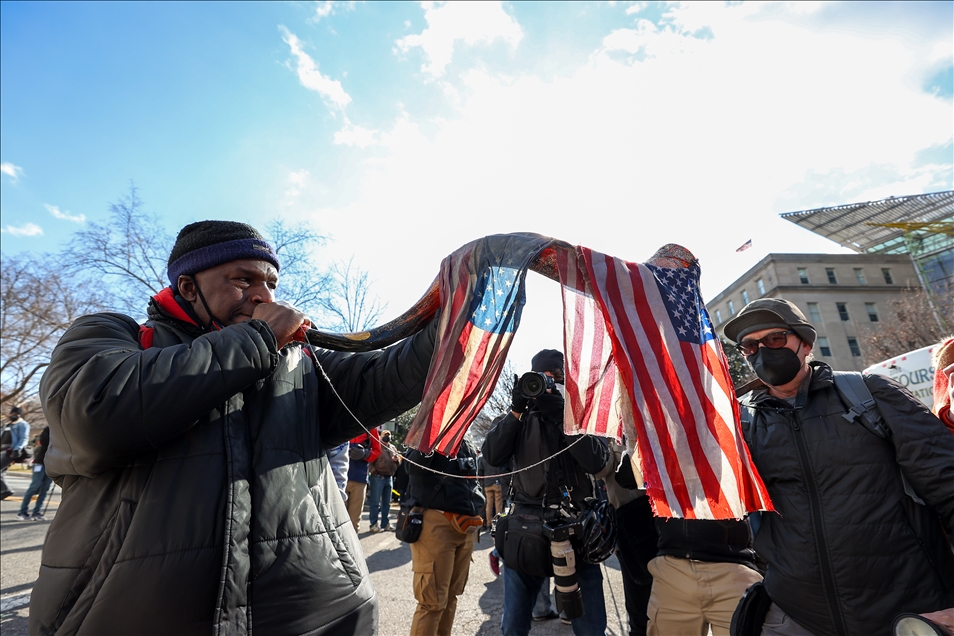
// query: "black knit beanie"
[[206, 244], [547, 360]]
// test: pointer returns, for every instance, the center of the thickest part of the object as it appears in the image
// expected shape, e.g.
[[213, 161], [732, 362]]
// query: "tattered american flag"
[[679, 392], [482, 296], [641, 357]]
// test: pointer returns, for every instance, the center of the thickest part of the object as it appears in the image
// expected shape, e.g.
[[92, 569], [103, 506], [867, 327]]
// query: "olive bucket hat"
[[769, 313]]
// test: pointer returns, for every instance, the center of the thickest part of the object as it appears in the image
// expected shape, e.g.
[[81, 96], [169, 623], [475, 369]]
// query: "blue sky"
[[404, 130]]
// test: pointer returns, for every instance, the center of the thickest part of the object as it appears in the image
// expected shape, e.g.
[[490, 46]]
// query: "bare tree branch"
[[129, 252], [908, 324], [38, 301], [349, 305]]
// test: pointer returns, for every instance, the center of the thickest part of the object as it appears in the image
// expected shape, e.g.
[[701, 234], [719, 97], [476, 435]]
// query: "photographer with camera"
[[541, 534], [441, 553]]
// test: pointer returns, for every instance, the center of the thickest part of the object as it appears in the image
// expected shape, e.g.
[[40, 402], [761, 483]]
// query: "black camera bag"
[[409, 523], [521, 544], [749, 615]]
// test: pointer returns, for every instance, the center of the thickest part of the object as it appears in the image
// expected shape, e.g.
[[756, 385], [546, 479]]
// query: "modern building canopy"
[[921, 226], [880, 226]]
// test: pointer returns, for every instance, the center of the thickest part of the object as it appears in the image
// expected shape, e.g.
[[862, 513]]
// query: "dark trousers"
[[5, 460], [635, 548]]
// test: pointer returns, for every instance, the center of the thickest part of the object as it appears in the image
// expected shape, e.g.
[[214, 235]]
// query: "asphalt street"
[[389, 560]]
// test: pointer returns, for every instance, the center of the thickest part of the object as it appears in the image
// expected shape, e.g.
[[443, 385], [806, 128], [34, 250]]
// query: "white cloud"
[[311, 78], [325, 8], [659, 137], [27, 229], [636, 7], [466, 21], [12, 171], [66, 216], [296, 183], [351, 135]]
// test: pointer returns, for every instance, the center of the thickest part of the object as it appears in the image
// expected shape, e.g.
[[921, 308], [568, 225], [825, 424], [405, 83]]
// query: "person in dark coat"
[[40, 483], [529, 434], [197, 494], [860, 532], [442, 554]]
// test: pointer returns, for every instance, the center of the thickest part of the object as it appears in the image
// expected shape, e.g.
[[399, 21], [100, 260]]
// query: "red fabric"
[[167, 300], [944, 382], [145, 336], [375, 444]]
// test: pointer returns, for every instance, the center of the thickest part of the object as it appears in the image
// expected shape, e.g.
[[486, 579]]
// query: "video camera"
[[569, 597], [533, 384]]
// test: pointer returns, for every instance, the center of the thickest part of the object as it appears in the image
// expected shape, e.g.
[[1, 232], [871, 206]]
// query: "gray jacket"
[[197, 495]]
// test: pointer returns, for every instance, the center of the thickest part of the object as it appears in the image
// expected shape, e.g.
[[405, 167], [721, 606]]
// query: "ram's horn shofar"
[[424, 310], [414, 319], [407, 324]]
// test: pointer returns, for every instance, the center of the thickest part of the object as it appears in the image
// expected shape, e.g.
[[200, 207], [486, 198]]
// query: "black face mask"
[[776, 367]]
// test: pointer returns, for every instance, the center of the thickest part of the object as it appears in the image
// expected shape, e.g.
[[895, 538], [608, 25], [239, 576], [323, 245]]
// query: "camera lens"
[[533, 384], [569, 596]]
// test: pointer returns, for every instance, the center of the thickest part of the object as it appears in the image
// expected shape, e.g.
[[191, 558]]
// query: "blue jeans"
[[39, 486], [379, 496], [520, 594]]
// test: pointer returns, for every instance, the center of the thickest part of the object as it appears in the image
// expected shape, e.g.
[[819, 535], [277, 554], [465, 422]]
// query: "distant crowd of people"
[[214, 466]]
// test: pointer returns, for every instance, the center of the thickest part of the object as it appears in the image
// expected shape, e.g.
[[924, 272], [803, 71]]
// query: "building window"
[[843, 311], [761, 287], [814, 313], [803, 275], [745, 297], [830, 272], [872, 312], [823, 347], [853, 345], [860, 276], [886, 271], [731, 308], [718, 317]]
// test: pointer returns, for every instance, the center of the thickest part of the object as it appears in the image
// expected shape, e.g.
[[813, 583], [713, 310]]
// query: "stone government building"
[[836, 292], [901, 243]]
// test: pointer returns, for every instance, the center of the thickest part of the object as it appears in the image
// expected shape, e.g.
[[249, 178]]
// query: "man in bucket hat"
[[192, 453], [859, 535]]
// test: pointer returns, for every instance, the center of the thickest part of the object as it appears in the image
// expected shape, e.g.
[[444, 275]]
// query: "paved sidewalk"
[[478, 610], [480, 606]]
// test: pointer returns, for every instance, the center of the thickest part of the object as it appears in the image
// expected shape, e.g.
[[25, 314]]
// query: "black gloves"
[[358, 452], [518, 403], [550, 406]]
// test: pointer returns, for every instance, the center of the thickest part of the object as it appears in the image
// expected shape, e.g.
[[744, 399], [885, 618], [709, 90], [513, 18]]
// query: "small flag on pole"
[[744, 246]]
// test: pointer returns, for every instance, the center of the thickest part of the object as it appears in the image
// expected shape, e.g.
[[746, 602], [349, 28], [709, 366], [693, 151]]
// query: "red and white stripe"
[[695, 462], [593, 390]]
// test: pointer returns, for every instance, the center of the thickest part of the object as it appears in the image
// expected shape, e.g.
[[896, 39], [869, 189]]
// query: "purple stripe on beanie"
[[212, 255]]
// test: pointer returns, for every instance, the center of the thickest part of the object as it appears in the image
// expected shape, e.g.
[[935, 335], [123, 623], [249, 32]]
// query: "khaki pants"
[[690, 596], [355, 503], [494, 495], [441, 562]]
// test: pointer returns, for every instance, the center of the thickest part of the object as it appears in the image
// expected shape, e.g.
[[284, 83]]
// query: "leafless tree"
[[38, 301], [908, 324], [301, 283], [350, 306], [402, 423], [739, 369], [128, 252]]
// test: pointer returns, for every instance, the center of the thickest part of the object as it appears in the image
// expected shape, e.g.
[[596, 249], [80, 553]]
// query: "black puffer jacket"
[[438, 492], [532, 439], [197, 495], [848, 550]]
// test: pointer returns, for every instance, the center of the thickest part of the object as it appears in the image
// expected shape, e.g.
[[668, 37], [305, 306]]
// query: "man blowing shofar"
[[197, 495]]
